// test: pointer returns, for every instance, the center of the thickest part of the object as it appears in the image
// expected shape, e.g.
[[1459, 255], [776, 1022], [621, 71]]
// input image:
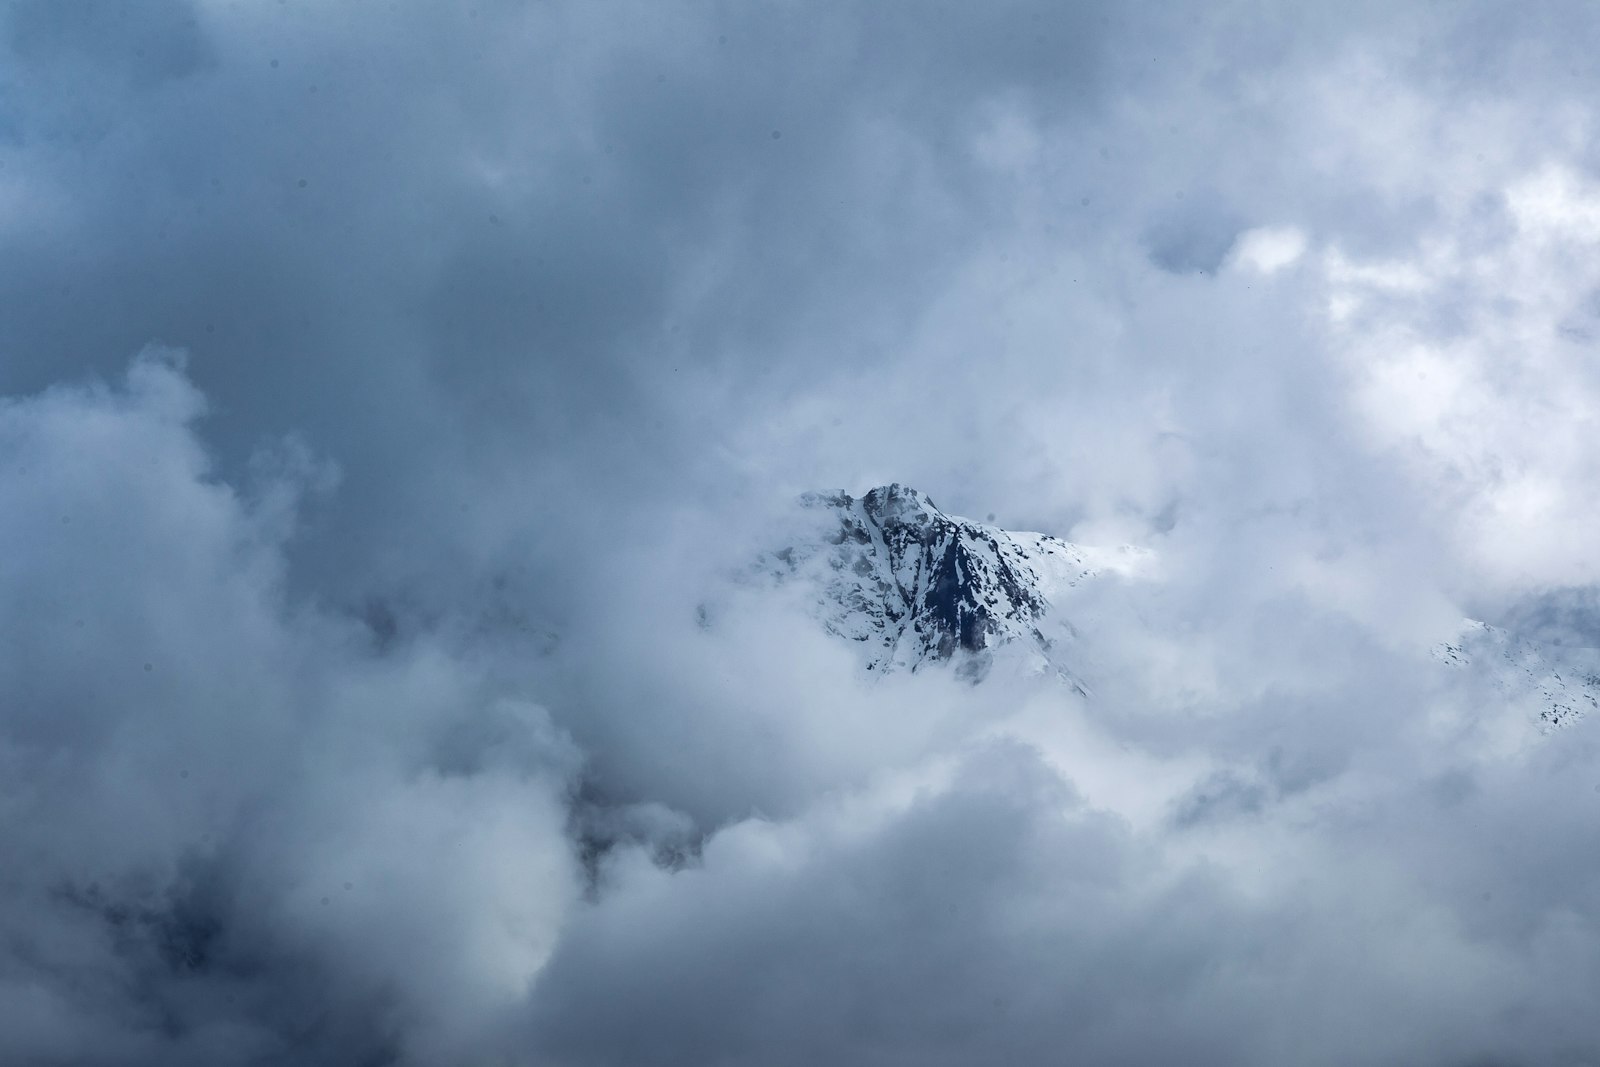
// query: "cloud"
[[225, 807], [1269, 249], [140, 47], [356, 701]]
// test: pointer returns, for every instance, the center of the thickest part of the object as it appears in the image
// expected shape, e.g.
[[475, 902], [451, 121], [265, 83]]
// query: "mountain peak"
[[917, 586], [896, 504]]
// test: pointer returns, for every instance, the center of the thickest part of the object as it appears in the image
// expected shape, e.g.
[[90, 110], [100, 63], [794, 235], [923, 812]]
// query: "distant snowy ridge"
[[1562, 682]]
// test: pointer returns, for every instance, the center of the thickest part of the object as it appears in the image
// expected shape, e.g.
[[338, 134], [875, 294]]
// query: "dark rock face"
[[954, 579]]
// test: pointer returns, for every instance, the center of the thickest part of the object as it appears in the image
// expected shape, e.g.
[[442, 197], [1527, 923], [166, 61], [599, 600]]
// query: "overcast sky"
[[384, 385]]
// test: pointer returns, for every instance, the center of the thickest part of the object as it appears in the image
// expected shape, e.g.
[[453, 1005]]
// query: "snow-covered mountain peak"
[[916, 585], [896, 505]]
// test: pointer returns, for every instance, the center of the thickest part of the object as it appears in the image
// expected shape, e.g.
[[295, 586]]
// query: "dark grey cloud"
[[1193, 236], [388, 387], [134, 47]]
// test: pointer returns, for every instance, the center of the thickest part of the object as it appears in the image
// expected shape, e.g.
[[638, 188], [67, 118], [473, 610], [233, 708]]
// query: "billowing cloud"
[[223, 809], [395, 395]]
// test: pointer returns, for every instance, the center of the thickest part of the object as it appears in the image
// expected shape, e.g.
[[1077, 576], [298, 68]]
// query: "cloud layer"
[[388, 387]]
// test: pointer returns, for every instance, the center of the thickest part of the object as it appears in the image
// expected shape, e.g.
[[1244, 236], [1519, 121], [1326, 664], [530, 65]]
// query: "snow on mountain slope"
[[918, 586], [1560, 684]]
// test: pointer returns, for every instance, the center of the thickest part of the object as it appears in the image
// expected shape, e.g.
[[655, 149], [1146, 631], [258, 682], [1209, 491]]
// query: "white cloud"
[[1267, 250]]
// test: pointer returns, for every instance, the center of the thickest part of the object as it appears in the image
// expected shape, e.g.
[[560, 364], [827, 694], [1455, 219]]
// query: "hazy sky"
[[384, 385]]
